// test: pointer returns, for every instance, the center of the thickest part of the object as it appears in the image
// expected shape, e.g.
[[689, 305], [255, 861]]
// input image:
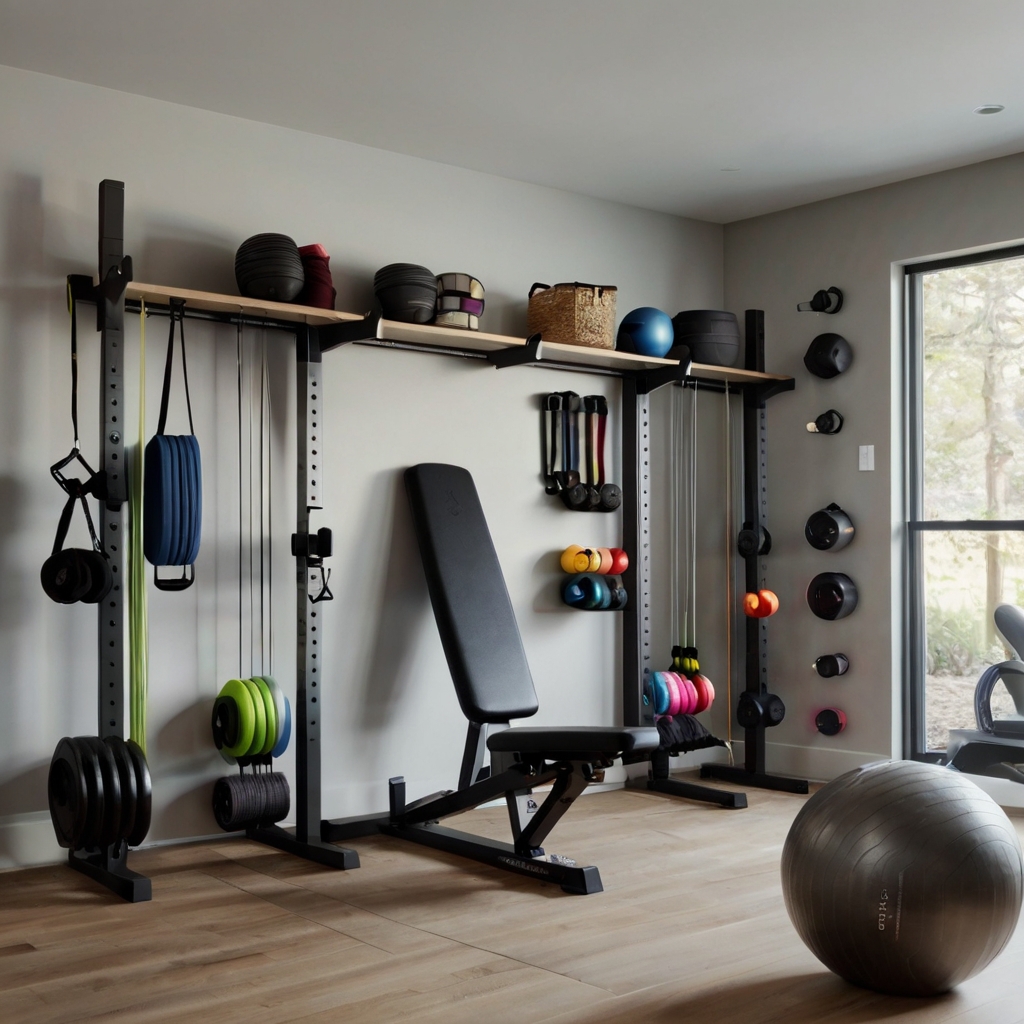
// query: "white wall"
[[197, 183], [773, 262]]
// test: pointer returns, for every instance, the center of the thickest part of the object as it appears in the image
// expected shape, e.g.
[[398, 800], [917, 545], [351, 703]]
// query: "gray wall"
[[772, 262], [197, 183]]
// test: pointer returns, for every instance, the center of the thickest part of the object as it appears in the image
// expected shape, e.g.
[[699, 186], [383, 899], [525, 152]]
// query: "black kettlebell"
[[829, 422], [829, 529], [832, 595], [828, 355], [824, 301], [759, 709], [829, 665]]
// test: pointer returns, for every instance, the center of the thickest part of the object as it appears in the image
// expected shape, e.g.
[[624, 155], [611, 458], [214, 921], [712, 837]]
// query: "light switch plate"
[[866, 458]]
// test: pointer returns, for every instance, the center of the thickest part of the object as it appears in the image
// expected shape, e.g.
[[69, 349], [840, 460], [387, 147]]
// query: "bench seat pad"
[[557, 744]]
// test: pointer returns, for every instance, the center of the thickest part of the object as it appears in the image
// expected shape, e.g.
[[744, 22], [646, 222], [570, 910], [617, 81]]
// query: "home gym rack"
[[319, 330]]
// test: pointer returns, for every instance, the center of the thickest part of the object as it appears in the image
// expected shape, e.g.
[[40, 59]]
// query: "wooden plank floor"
[[691, 927]]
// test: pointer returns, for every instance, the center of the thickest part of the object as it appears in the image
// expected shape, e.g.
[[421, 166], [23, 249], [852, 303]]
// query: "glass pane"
[[973, 391], [967, 575]]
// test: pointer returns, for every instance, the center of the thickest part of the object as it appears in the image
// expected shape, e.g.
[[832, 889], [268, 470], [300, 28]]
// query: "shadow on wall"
[[190, 813], [403, 609], [184, 743], [26, 791], [797, 999], [194, 260]]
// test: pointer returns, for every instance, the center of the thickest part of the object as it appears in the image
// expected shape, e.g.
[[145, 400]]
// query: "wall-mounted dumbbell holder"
[[832, 595], [830, 721], [586, 491], [829, 529], [594, 592], [828, 666], [825, 300], [829, 422]]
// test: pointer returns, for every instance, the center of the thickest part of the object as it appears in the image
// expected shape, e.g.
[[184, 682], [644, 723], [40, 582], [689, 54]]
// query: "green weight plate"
[[129, 788], [259, 734], [271, 714], [239, 692], [67, 793], [111, 829], [90, 837], [278, 694], [144, 791]]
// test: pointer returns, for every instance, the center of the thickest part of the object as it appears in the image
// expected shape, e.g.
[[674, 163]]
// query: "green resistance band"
[[138, 608]]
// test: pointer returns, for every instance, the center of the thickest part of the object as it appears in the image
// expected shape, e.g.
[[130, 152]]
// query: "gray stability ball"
[[903, 877]]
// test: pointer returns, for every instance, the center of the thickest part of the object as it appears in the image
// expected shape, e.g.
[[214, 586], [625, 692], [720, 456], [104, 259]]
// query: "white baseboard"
[[27, 840]]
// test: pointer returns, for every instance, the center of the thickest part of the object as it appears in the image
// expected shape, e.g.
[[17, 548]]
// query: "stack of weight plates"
[[460, 301], [406, 292], [269, 267], [100, 792]]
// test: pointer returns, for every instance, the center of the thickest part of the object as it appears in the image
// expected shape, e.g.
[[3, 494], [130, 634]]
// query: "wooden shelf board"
[[431, 334], [480, 341], [159, 294], [705, 371]]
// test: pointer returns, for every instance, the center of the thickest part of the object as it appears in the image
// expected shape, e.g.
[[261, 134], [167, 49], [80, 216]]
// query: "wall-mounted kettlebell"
[[828, 355], [832, 595], [829, 529], [759, 709], [753, 542], [826, 300], [829, 665], [829, 422], [830, 721]]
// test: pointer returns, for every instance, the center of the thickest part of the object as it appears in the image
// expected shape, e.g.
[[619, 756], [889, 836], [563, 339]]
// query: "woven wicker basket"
[[573, 314]]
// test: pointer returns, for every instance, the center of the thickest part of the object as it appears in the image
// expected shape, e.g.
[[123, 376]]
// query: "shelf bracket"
[[763, 391], [531, 352], [650, 380], [335, 335]]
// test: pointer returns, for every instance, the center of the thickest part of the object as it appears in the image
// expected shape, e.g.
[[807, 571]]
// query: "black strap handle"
[[182, 582], [177, 316]]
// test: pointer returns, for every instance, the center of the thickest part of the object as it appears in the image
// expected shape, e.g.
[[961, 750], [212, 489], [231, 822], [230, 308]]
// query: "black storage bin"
[[712, 336]]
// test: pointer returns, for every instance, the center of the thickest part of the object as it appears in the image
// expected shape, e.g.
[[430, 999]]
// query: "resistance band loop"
[[138, 610]]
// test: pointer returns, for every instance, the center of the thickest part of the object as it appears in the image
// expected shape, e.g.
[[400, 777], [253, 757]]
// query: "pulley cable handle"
[[177, 316]]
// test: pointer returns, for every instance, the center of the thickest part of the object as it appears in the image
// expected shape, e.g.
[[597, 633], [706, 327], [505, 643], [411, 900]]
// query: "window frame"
[[915, 625]]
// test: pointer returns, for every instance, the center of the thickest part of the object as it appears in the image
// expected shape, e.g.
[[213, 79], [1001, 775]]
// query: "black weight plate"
[[67, 793], [129, 789], [94, 783], [111, 792], [144, 794]]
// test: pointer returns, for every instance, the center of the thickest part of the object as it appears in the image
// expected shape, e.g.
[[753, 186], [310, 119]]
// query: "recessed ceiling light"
[[989, 108]]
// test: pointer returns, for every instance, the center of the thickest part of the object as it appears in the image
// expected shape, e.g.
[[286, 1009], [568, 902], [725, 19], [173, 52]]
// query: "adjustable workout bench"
[[493, 682]]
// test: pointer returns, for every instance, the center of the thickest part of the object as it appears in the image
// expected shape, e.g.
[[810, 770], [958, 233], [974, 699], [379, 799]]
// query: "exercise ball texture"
[[903, 877]]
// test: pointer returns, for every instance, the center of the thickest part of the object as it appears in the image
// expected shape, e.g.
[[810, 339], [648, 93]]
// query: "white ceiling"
[[717, 109]]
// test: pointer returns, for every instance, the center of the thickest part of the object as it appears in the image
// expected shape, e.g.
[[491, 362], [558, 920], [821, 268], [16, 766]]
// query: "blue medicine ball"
[[646, 331]]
